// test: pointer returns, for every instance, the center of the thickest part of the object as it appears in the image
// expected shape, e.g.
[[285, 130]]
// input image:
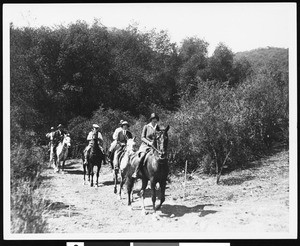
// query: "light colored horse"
[[62, 153], [125, 161], [51, 152]]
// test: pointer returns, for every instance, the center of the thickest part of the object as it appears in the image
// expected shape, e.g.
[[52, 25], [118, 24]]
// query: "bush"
[[27, 207], [218, 121]]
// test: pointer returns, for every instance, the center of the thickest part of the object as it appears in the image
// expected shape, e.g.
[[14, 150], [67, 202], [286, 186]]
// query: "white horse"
[[51, 152], [125, 161], [62, 153]]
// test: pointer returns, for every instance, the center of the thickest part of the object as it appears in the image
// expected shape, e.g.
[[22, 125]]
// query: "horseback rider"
[[113, 145], [94, 132], [121, 140], [50, 135], [147, 137], [58, 137]]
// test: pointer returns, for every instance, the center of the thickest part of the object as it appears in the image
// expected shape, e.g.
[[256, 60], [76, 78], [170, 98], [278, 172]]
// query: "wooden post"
[[185, 173], [219, 174], [69, 211]]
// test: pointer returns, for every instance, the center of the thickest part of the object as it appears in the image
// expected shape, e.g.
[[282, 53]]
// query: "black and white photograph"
[[148, 121]]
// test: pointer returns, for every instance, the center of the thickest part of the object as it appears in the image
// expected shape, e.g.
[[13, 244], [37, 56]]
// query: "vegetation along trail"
[[255, 199]]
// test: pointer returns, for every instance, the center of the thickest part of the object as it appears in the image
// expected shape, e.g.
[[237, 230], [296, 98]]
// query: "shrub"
[[218, 119], [27, 207]]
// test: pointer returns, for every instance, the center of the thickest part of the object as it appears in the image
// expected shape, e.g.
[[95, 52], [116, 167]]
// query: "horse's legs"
[[121, 184], [84, 173], [92, 175], [63, 166], [98, 171], [130, 183], [153, 191], [115, 180], [162, 185], [142, 194], [54, 162]]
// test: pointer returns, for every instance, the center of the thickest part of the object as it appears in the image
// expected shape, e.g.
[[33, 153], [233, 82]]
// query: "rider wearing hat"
[[113, 145], [147, 137], [93, 132], [121, 140]]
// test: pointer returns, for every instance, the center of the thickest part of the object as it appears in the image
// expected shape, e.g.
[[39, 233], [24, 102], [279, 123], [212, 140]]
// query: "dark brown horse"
[[155, 169], [94, 160]]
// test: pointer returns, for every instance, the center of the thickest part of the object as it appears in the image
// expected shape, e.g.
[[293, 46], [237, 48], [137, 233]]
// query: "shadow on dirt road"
[[180, 210]]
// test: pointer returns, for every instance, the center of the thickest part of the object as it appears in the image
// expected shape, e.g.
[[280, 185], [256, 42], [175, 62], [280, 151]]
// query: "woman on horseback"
[[147, 137], [121, 139]]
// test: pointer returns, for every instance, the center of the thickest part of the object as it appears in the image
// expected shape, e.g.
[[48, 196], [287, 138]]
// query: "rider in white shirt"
[[113, 145], [90, 137]]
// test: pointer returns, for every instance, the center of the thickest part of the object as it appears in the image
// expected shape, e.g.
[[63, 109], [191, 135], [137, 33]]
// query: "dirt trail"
[[251, 200]]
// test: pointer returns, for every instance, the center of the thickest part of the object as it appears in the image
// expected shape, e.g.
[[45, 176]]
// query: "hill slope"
[[277, 58]]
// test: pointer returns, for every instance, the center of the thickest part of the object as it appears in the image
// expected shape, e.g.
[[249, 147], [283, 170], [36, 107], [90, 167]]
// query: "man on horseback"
[[93, 133], [121, 140], [58, 137], [147, 137], [113, 145]]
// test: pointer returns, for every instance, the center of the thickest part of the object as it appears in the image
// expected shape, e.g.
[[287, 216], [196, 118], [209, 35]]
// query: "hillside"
[[262, 57]]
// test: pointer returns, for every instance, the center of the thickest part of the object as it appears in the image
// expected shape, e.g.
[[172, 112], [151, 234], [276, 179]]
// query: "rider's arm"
[[89, 137], [115, 135], [100, 136], [118, 138], [100, 139]]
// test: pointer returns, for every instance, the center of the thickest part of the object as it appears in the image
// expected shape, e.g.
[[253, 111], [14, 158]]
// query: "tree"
[[221, 63], [194, 56]]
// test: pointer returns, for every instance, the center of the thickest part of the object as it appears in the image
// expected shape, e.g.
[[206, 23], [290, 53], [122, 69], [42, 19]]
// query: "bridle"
[[157, 138]]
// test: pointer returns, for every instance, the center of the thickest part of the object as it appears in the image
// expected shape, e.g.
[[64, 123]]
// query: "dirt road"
[[253, 200]]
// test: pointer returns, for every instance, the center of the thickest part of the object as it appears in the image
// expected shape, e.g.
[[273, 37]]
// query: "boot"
[[137, 168]]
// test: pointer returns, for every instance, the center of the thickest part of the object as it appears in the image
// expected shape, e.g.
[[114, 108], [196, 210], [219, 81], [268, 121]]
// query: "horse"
[[62, 150], [123, 160], [94, 159], [155, 169], [51, 153], [125, 163]]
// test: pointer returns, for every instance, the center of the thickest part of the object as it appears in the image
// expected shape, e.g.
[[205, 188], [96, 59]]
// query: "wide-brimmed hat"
[[59, 126], [52, 128], [96, 126], [121, 121], [125, 123], [154, 116]]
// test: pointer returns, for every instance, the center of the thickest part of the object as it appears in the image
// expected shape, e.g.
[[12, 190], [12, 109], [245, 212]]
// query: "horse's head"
[[67, 140], [162, 141], [130, 145]]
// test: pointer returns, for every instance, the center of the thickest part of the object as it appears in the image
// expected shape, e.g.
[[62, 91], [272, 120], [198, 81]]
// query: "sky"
[[240, 26]]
